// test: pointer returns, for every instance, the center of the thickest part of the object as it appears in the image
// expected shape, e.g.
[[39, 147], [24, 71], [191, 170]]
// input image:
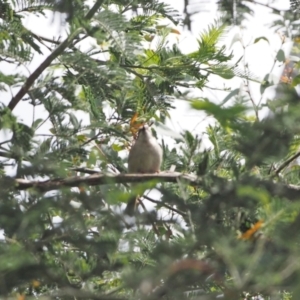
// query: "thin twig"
[[165, 205], [5, 142], [286, 163], [271, 70], [91, 139], [155, 229], [39, 37], [247, 85]]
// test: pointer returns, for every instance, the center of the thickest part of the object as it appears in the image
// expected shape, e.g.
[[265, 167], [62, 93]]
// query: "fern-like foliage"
[[78, 112]]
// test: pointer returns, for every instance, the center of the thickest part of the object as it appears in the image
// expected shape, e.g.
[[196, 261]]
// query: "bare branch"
[[100, 179]]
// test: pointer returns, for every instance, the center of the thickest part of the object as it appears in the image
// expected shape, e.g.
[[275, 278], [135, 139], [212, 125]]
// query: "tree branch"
[[288, 191], [94, 9], [100, 179], [85, 170], [39, 70], [164, 205], [46, 63], [286, 163]]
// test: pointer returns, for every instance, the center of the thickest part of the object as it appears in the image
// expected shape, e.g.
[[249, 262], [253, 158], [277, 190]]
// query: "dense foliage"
[[227, 228]]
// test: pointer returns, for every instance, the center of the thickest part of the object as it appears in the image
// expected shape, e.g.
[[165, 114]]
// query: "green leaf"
[[203, 164], [92, 159], [261, 38], [189, 139], [37, 122], [280, 56], [250, 191], [223, 115], [265, 84], [230, 95], [296, 80], [117, 147], [224, 72], [7, 79], [81, 138]]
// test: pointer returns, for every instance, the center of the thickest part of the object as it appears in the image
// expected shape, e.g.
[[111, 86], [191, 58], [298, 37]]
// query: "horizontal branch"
[[99, 179], [85, 170], [288, 191]]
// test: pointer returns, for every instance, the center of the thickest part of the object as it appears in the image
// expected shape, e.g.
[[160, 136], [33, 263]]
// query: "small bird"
[[145, 156]]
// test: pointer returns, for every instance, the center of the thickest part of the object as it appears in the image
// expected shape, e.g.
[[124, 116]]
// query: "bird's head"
[[144, 133]]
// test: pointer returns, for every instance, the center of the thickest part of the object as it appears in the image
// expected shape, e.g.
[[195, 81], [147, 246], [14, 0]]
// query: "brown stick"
[[289, 191], [99, 179]]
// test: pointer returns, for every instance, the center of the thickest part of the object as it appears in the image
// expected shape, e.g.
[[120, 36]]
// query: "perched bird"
[[145, 156]]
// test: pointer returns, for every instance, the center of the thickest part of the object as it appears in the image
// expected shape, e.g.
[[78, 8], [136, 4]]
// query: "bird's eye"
[[143, 128]]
